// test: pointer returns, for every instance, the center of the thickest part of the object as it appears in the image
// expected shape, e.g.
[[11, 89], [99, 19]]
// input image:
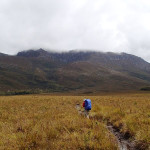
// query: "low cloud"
[[117, 26]]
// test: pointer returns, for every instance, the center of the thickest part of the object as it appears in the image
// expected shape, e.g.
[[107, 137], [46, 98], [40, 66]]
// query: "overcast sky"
[[105, 25]]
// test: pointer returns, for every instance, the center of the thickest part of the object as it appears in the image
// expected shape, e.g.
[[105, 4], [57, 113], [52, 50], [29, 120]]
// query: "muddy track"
[[123, 143]]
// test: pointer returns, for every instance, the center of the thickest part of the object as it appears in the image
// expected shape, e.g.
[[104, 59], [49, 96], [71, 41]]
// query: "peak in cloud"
[[63, 24]]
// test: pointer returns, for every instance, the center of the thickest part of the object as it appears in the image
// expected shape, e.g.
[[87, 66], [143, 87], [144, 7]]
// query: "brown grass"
[[51, 122], [128, 112]]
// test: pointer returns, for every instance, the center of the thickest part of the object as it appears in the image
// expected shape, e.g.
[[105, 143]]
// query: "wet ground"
[[123, 144]]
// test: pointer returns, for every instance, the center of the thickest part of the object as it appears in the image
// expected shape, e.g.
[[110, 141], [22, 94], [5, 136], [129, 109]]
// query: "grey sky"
[[106, 25]]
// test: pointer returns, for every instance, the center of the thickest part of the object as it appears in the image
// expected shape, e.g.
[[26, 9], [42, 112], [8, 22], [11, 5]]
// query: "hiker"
[[87, 107]]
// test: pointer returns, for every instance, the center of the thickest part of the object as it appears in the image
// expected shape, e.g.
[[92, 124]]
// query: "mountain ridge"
[[79, 71]]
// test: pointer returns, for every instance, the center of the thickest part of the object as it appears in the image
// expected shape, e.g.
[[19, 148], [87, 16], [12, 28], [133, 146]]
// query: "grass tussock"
[[130, 113], [52, 122]]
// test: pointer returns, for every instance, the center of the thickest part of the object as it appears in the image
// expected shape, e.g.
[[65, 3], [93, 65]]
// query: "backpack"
[[88, 104]]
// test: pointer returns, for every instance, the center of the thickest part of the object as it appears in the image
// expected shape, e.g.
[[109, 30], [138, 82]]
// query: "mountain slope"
[[77, 71]]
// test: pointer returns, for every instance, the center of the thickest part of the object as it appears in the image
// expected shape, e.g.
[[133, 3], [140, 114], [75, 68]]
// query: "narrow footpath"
[[123, 144]]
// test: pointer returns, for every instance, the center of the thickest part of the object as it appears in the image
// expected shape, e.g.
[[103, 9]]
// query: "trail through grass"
[[49, 122], [52, 122]]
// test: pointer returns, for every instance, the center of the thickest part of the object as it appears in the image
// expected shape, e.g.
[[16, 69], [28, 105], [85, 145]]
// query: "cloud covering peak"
[[106, 25]]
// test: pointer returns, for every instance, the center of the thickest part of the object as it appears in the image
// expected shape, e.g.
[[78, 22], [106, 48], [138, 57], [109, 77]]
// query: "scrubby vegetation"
[[20, 92], [27, 91], [145, 89]]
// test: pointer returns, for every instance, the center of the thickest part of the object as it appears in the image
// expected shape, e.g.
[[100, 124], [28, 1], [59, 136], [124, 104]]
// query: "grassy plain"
[[52, 122], [129, 113], [49, 122]]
